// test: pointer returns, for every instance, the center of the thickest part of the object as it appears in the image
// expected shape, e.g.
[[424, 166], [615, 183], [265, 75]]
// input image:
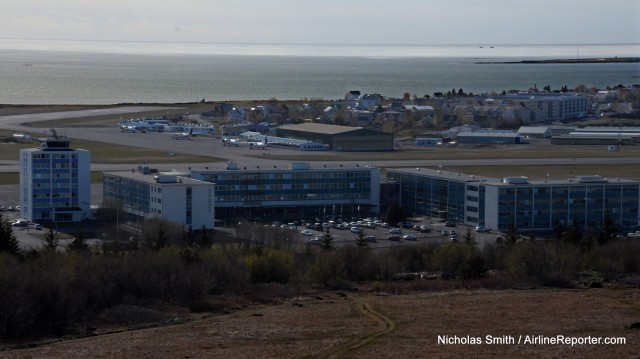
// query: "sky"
[[326, 21]]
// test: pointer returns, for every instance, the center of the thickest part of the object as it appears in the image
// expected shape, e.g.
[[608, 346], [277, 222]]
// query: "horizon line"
[[323, 43]]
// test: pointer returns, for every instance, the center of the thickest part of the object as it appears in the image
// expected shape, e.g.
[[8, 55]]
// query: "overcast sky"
[[326, 21]]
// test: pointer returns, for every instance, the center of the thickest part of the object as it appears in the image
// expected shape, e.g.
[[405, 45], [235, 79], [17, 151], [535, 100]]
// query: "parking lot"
[[437, 233]]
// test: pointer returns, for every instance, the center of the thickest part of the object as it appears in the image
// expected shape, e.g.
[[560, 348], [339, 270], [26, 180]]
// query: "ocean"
[[84, 72]]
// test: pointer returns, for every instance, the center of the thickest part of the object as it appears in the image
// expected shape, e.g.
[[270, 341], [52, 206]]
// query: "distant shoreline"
[[602, 60]]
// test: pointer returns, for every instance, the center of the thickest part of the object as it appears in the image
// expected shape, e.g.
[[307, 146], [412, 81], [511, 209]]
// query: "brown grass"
[[352, 325]]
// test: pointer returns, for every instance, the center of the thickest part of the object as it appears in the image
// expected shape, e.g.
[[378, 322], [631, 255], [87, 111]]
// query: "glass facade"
[[526, 205], [132, 193], [290, 186], [423, 195], [545, 206], [293, 194]]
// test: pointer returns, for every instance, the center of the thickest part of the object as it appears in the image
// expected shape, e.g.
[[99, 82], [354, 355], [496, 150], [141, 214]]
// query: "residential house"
[[237, 114], [352, 95]]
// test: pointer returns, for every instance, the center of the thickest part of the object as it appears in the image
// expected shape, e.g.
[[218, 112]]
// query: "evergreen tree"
[[573, 234], [394, 214], [204, 241], [327, 241], [608, 231], [51, 240], [8, 241], [78, 244], [469, 237], [558, 231], [512, 234], [361, 240]]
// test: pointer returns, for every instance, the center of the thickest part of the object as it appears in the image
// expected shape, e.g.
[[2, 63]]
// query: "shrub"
[[276, 265], [554, 262]]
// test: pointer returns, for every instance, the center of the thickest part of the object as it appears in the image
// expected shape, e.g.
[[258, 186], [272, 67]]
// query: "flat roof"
[[491, 181], [572, 181], [277, 168], [488, 134], [320, 128], [444, 174], [533, 129], [151, 178]]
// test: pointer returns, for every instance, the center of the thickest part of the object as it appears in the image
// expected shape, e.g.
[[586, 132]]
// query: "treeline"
[[53, 292]]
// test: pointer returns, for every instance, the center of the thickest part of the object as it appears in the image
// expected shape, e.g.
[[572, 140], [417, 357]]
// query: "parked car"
[[449, 224], [395, 238], [356, 230], [371, 239], [307, 232], [410, 237], [395, 231], [19, 223], [317, 240]]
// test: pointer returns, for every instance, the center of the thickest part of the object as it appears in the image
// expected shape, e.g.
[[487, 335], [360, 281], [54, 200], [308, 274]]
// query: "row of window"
[[286, 176], [288, 197], [60, 156], [55, 185]]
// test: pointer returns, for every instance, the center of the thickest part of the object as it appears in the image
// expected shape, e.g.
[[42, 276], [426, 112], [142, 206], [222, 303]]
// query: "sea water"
[[83, 72]]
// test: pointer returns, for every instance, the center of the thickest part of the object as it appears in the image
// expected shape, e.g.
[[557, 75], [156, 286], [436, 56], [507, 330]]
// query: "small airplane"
[[22, 137], [133, 126], [258, 144], [183, 135], [230, 142]]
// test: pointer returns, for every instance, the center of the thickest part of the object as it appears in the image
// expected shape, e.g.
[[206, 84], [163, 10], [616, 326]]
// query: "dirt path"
[[384, 324]]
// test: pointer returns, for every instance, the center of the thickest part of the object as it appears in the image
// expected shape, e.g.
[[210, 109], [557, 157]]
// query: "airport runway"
[[244, 156], [14, 122]]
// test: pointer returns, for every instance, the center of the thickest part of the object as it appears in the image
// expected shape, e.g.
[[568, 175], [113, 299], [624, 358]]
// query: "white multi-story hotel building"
[[146, 193], [55, 183]]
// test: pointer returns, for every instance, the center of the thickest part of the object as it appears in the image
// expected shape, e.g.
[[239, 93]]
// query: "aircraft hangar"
[[339, 138]]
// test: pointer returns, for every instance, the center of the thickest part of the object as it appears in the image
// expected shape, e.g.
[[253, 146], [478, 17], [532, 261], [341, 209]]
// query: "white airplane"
[[183, 135], [133, 126], [22, 137], [230, 141], [259, 144]]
